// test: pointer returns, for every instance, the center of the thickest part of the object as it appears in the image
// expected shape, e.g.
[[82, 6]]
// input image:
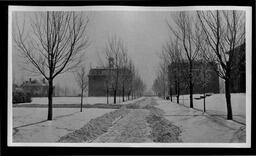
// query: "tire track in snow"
[[131, 128]]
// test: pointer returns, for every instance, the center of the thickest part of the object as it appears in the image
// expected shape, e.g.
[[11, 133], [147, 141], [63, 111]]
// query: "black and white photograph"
[[129, 76]]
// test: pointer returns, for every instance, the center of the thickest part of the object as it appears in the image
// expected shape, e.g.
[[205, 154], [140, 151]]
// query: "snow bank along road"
[[142, 123], [29, 124], [216, 105], [146, 120], [199, 127]]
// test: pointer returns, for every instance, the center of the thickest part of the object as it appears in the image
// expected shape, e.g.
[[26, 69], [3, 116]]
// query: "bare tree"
[[108, 75], [163, 73], [82, 81], [138, 85], [53, 44], [223, 31], [204, 77], [172, 53], [107, 83], [115, 49], [124, 77], [131, 75], [159, 85], [188, 33]]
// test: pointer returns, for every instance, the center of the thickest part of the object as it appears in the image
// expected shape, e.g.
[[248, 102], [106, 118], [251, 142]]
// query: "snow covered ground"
[[74, 100], [30, 124], [216, 105], [198, 127]]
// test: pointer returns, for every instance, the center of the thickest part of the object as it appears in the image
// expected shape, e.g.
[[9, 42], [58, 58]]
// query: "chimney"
[[111, 62]]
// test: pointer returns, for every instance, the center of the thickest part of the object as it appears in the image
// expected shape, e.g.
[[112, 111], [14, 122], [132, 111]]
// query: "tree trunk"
[[107, 94], [178, 92], [123, 91], [204, 90], [190, 86], [228, 99], [170, 92], [115, 96], [81, 108], [50, 91], [204, 102], [164, 91]]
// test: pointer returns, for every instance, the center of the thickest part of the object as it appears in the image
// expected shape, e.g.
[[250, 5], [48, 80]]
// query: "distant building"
[[100, 80], [36, 88], [212, 85], [238, 75], [97, 82]]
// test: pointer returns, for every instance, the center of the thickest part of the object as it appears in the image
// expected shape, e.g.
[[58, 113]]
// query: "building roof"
[[34, 83], [102, 71], [99, 71]]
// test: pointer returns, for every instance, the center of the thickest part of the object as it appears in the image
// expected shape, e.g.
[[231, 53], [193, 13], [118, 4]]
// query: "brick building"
[[216, 84], [238, 76], [101, 80], [211, 78], [97, 81]]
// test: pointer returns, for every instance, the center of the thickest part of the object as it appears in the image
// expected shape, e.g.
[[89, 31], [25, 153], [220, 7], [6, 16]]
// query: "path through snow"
[[132, 128]]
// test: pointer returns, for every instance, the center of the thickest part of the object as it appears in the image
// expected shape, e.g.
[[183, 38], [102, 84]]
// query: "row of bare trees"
[[210, 37], [122, 76], [54, 42], [223, 31]]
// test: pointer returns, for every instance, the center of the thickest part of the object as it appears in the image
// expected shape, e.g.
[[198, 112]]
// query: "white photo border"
[[248, 48]]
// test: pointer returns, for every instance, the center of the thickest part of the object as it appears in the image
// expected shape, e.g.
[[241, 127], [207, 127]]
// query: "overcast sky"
[[143, 33]]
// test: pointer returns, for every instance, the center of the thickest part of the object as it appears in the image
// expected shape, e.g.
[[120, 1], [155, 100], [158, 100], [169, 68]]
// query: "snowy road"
[[132, 128], [195, 126]]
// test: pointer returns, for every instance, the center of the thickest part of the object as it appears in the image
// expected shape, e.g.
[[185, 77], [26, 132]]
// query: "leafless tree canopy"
[[123, 77], [188, 33], [116, 50], [53, 42], [223, 31]]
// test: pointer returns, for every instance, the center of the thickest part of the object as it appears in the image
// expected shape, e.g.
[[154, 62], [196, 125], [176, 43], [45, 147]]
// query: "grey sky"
[[143, 33]]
